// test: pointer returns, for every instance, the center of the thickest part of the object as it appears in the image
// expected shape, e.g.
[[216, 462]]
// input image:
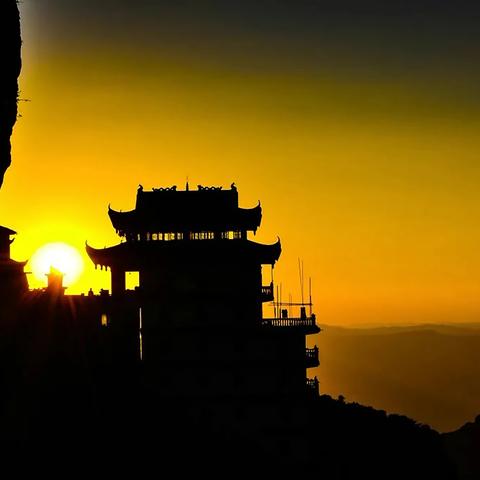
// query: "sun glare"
[[61, 256]]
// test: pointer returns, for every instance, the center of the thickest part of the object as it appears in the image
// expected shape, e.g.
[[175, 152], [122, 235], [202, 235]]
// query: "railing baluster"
[[289, 322]]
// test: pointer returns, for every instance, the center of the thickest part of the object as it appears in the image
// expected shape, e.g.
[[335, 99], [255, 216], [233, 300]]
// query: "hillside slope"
[[429, 373]]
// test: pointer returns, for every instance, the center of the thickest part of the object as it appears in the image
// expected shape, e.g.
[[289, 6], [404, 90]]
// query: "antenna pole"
[[280, 298], [276, 305], [303, 282], [310, 293], [275, 298], [300, 274]]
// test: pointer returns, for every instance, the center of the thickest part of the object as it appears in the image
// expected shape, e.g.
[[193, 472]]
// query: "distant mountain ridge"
[[448, 329], [427, 372]]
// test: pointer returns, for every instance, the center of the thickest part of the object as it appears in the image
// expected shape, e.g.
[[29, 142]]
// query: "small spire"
[[55, 281]]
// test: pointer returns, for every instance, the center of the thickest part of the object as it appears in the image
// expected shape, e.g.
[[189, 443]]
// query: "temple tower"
[[13, 281], [198, 306]]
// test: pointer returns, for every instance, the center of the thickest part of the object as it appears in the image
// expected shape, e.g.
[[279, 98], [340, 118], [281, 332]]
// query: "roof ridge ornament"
[[202, 188], [173, 188]]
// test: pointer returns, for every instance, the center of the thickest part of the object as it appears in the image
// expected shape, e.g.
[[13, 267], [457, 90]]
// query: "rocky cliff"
[[10, 59]]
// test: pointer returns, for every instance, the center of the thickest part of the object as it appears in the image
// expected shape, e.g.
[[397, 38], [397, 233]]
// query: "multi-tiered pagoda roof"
[[164, 210], [167, 222]]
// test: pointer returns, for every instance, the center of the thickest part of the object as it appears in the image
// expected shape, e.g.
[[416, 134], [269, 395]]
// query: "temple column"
[[118, 281]]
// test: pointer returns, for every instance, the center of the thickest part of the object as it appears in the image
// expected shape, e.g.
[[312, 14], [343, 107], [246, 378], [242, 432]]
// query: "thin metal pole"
[[310, 293], [276, 305], [279, 313], [303, 282]]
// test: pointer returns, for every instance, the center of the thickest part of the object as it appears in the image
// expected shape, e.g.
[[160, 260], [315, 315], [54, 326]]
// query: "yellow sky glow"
[[374, 185]]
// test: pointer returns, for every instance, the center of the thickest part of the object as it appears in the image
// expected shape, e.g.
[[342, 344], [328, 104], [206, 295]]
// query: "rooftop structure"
[[55, 282], [195, 322], [13, 281], [172, 214]]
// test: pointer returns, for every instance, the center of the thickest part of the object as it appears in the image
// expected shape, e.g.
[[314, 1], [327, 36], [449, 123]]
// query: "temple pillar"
[[118, 281]]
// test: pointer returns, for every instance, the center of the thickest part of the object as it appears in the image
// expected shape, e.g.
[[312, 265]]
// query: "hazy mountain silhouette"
[[10, 63], [428, 372]]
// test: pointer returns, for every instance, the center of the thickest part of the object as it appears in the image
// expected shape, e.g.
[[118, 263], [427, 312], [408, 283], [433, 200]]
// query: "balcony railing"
[[267, 293], [311, 356], [313, 386], [306, 323]]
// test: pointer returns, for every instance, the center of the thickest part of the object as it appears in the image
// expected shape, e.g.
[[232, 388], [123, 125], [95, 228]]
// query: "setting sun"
[[61, 256]]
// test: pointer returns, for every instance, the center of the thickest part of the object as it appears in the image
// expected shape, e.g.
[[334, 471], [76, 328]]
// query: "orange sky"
[[366, 169]]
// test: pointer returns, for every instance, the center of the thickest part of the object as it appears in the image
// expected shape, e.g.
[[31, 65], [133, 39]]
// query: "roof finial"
[[186, 185], [233, 186]]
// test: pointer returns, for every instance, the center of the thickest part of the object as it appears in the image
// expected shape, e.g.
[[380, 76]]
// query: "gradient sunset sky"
[[355, 123]]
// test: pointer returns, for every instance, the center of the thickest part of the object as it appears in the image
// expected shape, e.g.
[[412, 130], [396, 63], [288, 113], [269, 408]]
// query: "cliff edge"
[[10, 59]]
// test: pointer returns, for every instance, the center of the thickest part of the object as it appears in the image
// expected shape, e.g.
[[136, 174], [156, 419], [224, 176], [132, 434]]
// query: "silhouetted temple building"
[[13, 281], [198, 307]]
